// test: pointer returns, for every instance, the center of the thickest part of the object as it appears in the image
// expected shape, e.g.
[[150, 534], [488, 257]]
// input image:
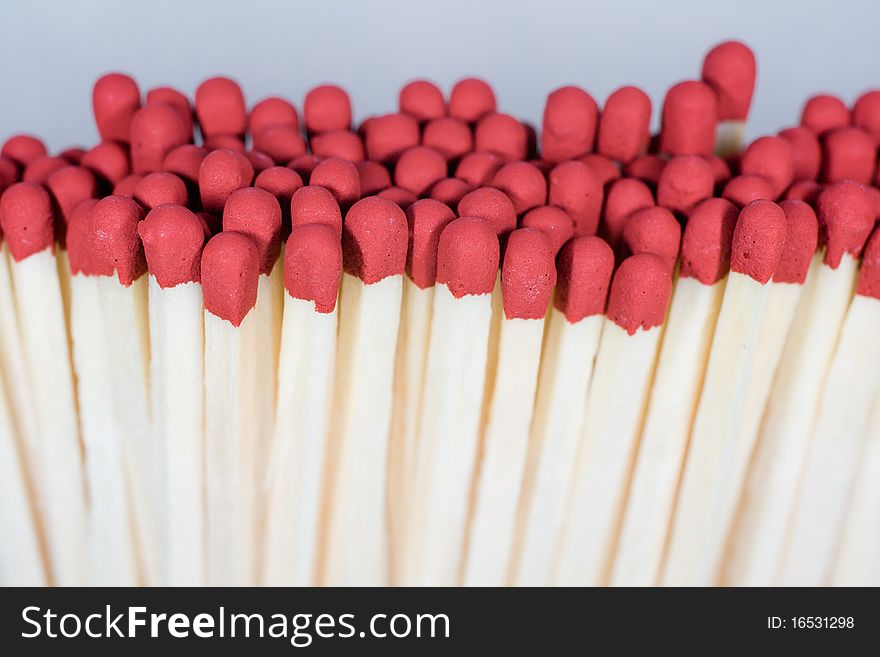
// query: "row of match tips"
[[449, 190]]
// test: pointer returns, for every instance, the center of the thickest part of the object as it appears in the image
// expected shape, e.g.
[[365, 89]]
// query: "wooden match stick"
[[230, 268], [452, 403], [27, 218], [639, 298], [705, 260], [116, 248], [574, 328], [729, 68], [112, 546], [528, 276], [374, 247], [846, 404], [722, 436], [312, 270], [173, 238], [426, 218]]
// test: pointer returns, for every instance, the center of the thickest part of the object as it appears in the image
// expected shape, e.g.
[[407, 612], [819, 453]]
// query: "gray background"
[[53, 50]]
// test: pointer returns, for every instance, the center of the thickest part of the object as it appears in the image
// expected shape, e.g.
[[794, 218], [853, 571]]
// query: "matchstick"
[[426, 219], [230, 267], [452, 403], [116, 248], [705, 260], [26, 218], [574, 327], [312, 270], [637, 306], [624, 124], [846, 403], [220, 108], [722, 434], [688, 120], [729, 68], [374, 247], [112, 547], [528, 276], [21, 554], [116, 98], [173, 238], [569, 124]]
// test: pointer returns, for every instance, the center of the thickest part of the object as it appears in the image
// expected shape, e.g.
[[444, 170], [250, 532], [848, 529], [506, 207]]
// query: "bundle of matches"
[[248, 346]]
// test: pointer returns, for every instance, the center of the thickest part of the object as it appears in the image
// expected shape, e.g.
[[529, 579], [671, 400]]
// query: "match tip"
[[256, 213], [801, 239], [23, 149], [426, 219], [467, 257], [173, 238], [824, 112], [230, 270], [492, 206], [850, 153], [742, 190], [624, 197], [584, 269], [327, 107], [471, 99], [220, 107], [502, 134], [402, 197], [79, 250], [389, 136], [569, 124], [806, 152], [866, 112], [553, 222], [729, 68], [159, 188], [281, 143], [576, 188], [869, 275], [374, 177], [624, 124], [685, 181], [524, 185], [220, 174], [114, 240], [758, 240], [313, 265], [640, 292], [450, 191], [340, 177], [374, 239], [528, 274], [338, 143], [27, 219], [653, 230], [422, 100], [272, 111], [281, 182], [707, 239], [846, 216], [689, 118], [772, 159], [450, 137], [478, 167], [316, 205], [69, 186], [155, 131], [647, 168], [115, 99], [418, 169]]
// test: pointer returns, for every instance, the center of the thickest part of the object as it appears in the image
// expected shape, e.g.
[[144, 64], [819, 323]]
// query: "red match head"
[[806, 153], [280, 142], [418, 169], [374, 239], [729, 68], [125, 187], [389, 136], [185, 162], [40, 169], [758, 240], [313, 265], [742, 190], [79, 251], [403, 198], [173, 238], [606, 170], [801, 239], [805, 190], [220, 174], [528, 274], [230, 270], [256, 213], [624, 124], [686, 180], [647, 168], [492, 206], [108, 161], [502, 134], [653, 230], [866, 113], [27, 219], [553, 222], [471, 99], [281, 182], [569, 124], [426, 219], [326, 108], [220, 107], [304, 165], [450, 191], [850, 153], [23, 149], [772, 159], [868, 284], [115, 99], [224, 142], [155, 131], [159, 188], [523, 183], [259, 160], [452, 138], [272, 111], [374, 177], [575, 188], [624, 197], [479, 167], [690, 114], [70, 186], [467, 257], [846, 217], [315, 205], [178, 101], [584, 268], [114, 240], [824, 112], [640, 292], [707, 241], [338, 143], [422, 100], [340, 177]]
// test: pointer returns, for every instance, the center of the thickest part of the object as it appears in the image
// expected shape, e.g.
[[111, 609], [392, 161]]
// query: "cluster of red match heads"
[[448, 189]]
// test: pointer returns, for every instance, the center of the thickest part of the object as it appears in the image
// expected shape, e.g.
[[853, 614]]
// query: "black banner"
[[433, 621]]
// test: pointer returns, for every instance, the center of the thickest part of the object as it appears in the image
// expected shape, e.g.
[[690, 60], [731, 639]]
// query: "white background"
[[52, 51]]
